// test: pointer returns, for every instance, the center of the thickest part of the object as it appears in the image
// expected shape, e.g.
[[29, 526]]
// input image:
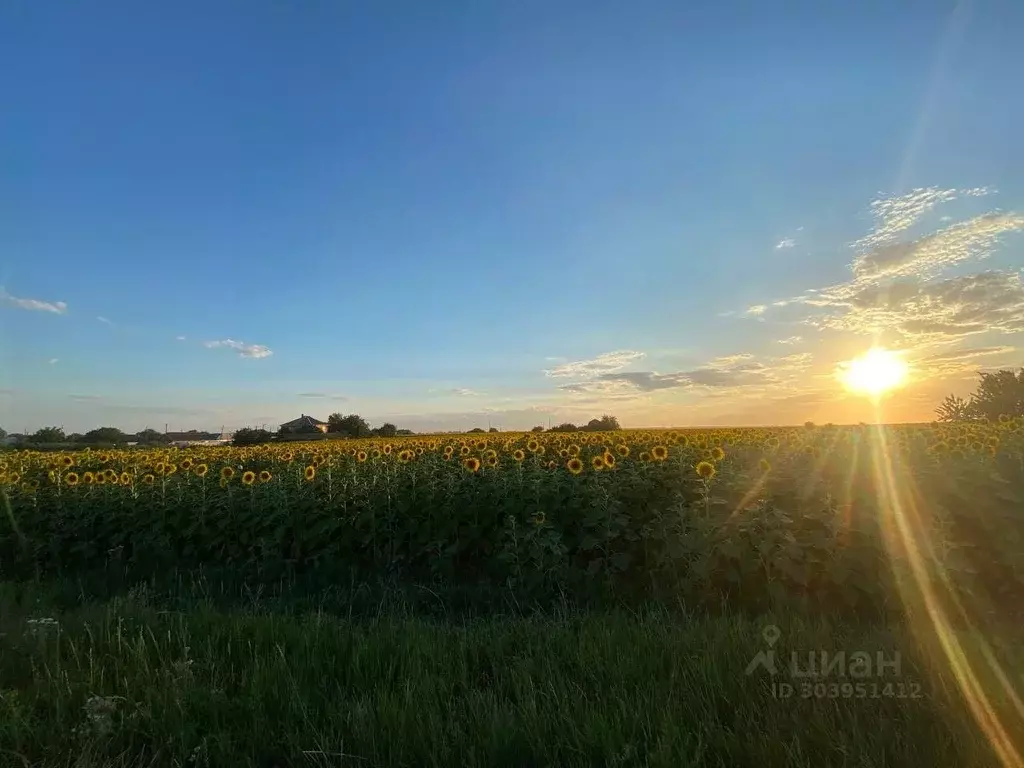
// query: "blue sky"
[[445, 213]]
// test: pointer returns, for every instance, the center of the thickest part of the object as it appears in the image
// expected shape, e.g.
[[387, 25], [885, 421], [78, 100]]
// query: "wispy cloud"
[[463, 392], [179, 338], [84, 398], [53, 360], [321, 396], [609, 362], [790, 340], [38, 305], [253, 351], [104, 320], [785, 243]]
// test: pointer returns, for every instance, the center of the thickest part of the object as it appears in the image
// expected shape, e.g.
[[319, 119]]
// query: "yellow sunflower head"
[[717, 453], [201, 470], [265, 476], [71, 478], [309, 473], [226, 473], [472, 464], [574, 465], [248, 478], [519, 454], [706, 470], [659, 453]]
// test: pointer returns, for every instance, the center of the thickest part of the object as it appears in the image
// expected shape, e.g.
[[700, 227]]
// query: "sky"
[[455, 214]]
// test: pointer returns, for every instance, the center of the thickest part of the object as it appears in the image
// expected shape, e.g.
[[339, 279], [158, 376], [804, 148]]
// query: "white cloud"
[[179, 338], [463, 392], [54, 360], [254, 351], [785, 243], [609, 362], [56, 307], [321, 396], [757, 310], [790, 340], [104, 320]]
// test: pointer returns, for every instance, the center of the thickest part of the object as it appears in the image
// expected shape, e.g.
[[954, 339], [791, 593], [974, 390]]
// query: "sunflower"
[[597, 462], [88, 478], [706, 470], [101, 478], [645, 456], [226, 473], [388, 448], [659, 453], [764, 465], [360, 456], [309, 473], [519, 454], [464, 450], [538, 518], [622, 449], [201, 470], [148, 479], [717, 453], [574, 450], [248, 478], [552, 464], [67, 462], [472, 463], [490, 452], [491, 461], [71, 478], [532, 446], [405, 456], [265, 476], [609, 459], [160, 468], [186, 463], [126, 479], [288, 456], [574, 465]]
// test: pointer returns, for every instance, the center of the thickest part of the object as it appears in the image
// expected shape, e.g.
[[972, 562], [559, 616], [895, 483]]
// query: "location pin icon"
[[771, 634]]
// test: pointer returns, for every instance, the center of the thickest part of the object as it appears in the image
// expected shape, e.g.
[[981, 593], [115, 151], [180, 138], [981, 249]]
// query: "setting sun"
[[874, 373]]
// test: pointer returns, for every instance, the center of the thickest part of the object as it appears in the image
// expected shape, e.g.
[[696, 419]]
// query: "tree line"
[[999, 393]]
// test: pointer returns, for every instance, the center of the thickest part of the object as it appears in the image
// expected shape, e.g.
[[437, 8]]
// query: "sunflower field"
[[842, 518]]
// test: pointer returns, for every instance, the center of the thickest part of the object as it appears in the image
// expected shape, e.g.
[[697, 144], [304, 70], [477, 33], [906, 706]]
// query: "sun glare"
[[874, 373]]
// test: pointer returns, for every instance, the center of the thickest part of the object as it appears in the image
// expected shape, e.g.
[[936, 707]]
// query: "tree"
[[249, 436], [475, 430], [537, 429], [954, 408], [352, 425], [386, 430], [492, 429], [151, 437], [3, 433], [48, 435], [999, 394], [104, 436], [605, 424], [567, 426]]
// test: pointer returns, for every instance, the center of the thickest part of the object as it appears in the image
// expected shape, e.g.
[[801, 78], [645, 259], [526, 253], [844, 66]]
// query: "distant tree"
[[537, 429], [3, 433], [492, 429], [387, 430], [565, 427], [151, 437], [604, 424], [249, 436], [954, 408], [48, 435], [104, 436], [404, 432], [474, 430], [352, 425], [999, 394]]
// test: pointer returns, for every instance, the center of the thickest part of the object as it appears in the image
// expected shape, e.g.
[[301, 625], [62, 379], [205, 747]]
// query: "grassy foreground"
[[141, 680]]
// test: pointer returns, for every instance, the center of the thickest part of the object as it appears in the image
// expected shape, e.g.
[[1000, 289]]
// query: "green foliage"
[[250, 436], [386, 430], [104, 436], [48, 435], [148, 679], [1000, 394], [353, 425]]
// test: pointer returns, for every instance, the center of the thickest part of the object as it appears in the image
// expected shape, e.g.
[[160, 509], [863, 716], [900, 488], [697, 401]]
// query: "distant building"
[[304, 424]]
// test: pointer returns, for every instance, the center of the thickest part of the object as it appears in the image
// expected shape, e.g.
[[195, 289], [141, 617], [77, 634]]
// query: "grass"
[[146, 679]]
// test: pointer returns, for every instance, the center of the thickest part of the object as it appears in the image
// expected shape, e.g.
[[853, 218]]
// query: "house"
[[304, 424]]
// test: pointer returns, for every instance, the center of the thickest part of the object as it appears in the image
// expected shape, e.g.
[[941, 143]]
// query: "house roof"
[[305, 421]]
